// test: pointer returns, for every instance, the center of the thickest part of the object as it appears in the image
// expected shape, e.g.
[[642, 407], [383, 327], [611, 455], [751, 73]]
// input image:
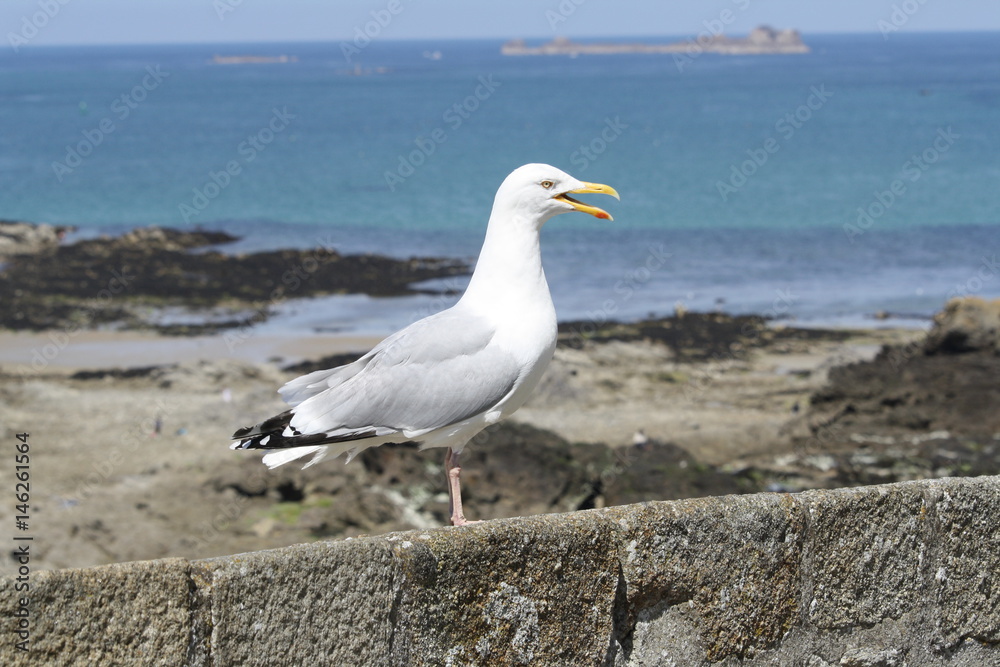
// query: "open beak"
[[587, 208]]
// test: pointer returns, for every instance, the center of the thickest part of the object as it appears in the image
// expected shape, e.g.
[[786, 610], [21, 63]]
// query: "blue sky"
[[146, 21]]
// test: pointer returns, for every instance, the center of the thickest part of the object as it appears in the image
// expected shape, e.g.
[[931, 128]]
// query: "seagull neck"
[[509, 270]]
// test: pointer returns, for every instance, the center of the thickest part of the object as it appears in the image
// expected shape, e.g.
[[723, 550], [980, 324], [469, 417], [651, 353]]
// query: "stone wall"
[[903, 574]]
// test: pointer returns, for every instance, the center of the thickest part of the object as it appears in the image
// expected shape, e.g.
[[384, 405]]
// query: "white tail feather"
[[282, 456]]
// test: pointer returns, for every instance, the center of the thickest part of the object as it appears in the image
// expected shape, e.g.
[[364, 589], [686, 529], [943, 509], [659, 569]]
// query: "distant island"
[[762, 40], [252, 60]]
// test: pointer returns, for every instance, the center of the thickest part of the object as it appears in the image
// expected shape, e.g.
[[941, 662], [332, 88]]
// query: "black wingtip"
[[274, 425]]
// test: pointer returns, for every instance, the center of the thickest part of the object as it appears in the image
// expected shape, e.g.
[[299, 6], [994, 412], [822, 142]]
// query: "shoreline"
[[186, 283], [55, 352]]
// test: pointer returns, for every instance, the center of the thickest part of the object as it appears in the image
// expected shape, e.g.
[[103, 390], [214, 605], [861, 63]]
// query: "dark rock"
[[913, 392], [115, 373], [693, 336], [925, 409], [95, 282], [508, 470], [660, 471], [965, 325]]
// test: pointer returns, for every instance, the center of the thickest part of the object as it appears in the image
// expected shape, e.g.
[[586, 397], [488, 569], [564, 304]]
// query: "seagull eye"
[[547, 184]]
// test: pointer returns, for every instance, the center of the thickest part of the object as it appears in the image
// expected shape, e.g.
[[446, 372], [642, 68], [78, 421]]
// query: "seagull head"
[[538, 192]]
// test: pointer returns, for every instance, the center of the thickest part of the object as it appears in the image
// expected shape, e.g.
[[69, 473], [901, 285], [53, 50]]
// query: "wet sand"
[[56, 352]]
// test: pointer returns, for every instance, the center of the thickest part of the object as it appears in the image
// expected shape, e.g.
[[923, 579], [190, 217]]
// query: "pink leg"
[[453, 470]]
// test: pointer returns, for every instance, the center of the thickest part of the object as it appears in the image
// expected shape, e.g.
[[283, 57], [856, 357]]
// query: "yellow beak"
[[587, 208]]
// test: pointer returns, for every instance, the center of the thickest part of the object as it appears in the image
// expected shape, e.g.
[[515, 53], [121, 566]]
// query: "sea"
[[856, 185]]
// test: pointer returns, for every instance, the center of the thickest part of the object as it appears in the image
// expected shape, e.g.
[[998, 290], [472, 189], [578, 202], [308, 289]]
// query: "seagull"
[[443, 379]]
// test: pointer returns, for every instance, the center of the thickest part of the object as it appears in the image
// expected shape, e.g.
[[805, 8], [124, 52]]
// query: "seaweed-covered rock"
[[101, 281], [945, 383], [692, 336]]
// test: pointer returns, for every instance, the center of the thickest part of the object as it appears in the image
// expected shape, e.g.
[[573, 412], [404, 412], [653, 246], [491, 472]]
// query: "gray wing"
[[438, 371]]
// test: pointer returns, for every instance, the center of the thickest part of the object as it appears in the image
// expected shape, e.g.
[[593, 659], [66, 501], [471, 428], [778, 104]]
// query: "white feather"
[[282, 456]]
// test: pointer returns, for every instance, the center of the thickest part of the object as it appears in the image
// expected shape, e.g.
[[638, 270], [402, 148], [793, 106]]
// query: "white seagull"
[[443, 379]]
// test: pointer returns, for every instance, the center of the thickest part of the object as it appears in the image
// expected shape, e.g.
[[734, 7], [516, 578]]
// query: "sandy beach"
[[129, 435], [57, 352]]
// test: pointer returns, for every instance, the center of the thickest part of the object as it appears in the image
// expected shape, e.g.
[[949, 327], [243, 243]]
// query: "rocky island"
[[762, 40], [218, 59]]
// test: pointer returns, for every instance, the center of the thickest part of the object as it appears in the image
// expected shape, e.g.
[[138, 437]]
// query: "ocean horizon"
[[823, 188]]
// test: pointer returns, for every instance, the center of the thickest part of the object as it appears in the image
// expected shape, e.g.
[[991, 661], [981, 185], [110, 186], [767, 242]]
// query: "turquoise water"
[[861, 177]]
